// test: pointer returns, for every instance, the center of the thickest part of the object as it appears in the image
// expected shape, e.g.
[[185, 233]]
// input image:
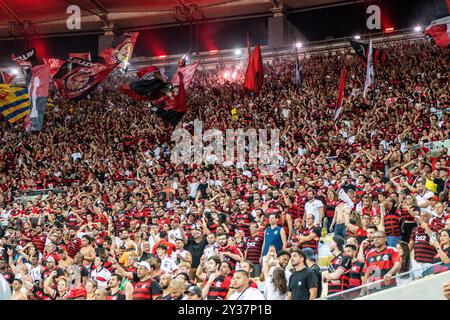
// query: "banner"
[[77, 77], [121, 49], [54, 65], [379, 56], [188, 74], [439, 32], [340, 94], [14, 102], [82, 55], [38, 90], [26, 60], [370, 75], [254, 76]]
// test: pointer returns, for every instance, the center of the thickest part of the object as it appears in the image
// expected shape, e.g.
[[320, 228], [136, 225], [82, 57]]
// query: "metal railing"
[[368, 288]]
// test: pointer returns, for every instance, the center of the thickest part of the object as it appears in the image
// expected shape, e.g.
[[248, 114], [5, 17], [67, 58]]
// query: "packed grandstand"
[[93, 208]]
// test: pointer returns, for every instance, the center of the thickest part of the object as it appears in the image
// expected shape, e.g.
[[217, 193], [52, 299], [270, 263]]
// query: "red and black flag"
[[148, 86], [26, 60], [54, 65], [362, 49], [254, 76], [121, 49], [77, 77], [172, 106]]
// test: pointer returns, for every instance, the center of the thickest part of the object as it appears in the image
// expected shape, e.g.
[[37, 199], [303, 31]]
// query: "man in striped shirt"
[[424, 252], [392, 222], [216, 284]]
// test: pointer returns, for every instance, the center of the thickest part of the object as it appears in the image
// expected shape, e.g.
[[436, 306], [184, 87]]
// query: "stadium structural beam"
[[281, 31]]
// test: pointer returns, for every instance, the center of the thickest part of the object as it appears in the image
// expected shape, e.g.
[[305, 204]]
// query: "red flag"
[[82, 55], [54, 65], [254, 76], [340, 94], [121, 49], [439, 31], [188, 74], [6, 78]]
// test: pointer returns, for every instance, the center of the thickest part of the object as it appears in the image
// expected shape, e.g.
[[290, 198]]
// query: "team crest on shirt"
[[385, 257], [378, 258], [218, 284], [276, 232]]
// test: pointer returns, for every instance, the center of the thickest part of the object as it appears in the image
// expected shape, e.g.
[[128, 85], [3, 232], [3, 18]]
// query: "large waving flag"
[[370, 75], [54, 65], [38, 90], [26, 60], [379, 56], [439, 32], [77, 77], [254, 76], [188, 74], [150, 83], [340, 95], [121, 49], [172, 106], [14, 102]]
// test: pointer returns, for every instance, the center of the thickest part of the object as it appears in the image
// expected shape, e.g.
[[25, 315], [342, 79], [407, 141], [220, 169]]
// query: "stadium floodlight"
[[15, 71], [237, 52], [417, 28], [357, 37], [298, 44]]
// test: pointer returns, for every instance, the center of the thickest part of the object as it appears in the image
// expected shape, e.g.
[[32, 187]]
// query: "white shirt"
[[102, 277], [248, 294], [176, 233], [193, 189], [312, 207], [422, 198], [168, 264]]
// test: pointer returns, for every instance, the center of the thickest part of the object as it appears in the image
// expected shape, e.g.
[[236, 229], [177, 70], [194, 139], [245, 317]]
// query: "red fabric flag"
[[340, 94], [254, 76], [54, 65], [188, 74], [439, 31]]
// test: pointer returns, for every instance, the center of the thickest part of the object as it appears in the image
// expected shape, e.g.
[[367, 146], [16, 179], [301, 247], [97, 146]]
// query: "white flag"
[[369, 72]]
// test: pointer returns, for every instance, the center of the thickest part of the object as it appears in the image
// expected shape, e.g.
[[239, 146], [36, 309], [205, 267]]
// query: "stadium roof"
[[29, 17]]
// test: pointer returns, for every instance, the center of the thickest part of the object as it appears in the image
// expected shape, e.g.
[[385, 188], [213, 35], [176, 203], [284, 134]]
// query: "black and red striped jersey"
[[219, 288], [314, 243], [145, 290], [339, 262], [437, 223], [392, 222], [355, 274], [423, 251], [254, 246]]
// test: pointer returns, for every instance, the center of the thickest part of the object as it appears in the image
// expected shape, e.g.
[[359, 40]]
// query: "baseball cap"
[[144, 264], [309, 253], [195, 290], [50, 258]]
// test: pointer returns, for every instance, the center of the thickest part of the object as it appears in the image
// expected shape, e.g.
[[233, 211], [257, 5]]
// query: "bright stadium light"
[[298, 44], [237, 52], [417, 28], [15, 71], [357, 37]]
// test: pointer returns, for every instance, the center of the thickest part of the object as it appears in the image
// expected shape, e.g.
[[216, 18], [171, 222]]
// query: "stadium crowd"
[[122, 222]]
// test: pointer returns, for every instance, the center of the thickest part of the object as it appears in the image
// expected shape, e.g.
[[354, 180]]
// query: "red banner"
[[54, 65], [188, 74]]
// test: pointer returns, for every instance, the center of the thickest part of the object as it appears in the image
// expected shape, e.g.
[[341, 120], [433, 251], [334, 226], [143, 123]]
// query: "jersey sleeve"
[[135, 277], [312, 280], [345, 263], [395, 256]]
